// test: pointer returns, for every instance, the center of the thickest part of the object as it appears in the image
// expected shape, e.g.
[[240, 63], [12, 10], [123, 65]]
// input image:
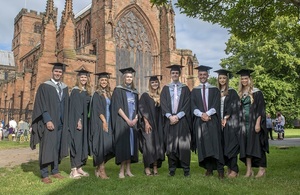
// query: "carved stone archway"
[[133, 48]]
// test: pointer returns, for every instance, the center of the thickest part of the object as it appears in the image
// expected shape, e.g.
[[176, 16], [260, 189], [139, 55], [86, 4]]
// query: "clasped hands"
[[174, 119], [205, 117], [131, 123]]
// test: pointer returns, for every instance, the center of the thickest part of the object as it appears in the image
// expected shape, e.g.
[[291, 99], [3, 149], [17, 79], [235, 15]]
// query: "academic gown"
[[207, 135], [152, 143], [177, 138], [102, 142], [232, 127], [47, 100], [121, 130], [79, 104], [254, 144]]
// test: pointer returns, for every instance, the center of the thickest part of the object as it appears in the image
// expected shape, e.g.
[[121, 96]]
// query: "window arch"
[[87, 33]]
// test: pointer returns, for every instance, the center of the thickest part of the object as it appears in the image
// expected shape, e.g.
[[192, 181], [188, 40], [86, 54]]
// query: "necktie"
[[59, 91], [175, 103], [204, 99]]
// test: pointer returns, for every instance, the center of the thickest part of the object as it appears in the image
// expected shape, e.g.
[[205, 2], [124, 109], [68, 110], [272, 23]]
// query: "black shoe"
[[208, 173], [221, 175], [186, 174], [171, 173]]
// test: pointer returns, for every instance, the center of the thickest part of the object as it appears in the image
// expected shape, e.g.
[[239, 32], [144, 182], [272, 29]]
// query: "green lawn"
[[290, 133], [283, 177], [5, 144]]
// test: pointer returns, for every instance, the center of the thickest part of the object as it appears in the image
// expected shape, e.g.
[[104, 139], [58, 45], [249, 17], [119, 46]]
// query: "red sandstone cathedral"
[[104, 36]]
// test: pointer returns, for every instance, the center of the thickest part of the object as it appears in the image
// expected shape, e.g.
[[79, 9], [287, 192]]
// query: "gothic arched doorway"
[[133, 48]]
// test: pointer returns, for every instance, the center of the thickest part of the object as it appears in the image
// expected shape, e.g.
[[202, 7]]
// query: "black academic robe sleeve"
[[231, 129]]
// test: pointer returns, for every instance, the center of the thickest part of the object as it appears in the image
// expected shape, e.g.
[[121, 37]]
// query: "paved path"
[[285, 142], [17, 156]]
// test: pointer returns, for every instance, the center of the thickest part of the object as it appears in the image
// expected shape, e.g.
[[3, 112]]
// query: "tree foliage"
[[275, 57], [242, 17]]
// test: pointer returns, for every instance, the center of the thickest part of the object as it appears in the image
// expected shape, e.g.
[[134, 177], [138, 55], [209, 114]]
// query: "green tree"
[[275, 57], [242, 17]]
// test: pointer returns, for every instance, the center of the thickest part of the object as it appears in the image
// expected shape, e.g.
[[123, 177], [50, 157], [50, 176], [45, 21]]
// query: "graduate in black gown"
[[175, 105], [152, 131], [230, 122], [124, 121], [78, 122], [100, 128], [254, 134], [207, 131], [50, 123]]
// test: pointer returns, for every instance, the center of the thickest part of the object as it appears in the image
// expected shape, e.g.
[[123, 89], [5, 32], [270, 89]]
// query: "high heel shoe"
[[260, 174], [129, 175], [250, 175], [232, 174], [121, 176]]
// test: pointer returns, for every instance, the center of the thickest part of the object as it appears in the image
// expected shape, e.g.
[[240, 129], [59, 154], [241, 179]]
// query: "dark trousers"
[[174, 163], [231, 163], [270, 130], [209, 164], [54, 165]]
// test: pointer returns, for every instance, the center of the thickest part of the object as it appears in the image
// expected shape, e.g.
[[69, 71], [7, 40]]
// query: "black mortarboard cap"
[[245, 72], [82, 71], [223, 72], [127, 70], [203, 68], [175, 67], [58, 65], [103, 74], [154, 77]]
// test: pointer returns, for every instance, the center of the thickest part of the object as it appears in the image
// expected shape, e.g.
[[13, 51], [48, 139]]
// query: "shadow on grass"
[[31, 166]]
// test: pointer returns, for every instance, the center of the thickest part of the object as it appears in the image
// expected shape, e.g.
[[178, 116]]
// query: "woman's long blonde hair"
[[225, 92], [250, 89], [87, 86], [100, 90], [154, 93]]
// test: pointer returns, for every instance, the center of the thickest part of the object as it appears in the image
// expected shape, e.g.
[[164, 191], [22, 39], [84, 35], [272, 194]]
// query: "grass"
[[290, 133], [282, 178], [5, 144]]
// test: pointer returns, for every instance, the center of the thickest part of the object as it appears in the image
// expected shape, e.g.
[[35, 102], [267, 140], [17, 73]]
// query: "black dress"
[[102, 142], [152, 143], [231, 134], [253, 145], [79, 104], [125, 137]]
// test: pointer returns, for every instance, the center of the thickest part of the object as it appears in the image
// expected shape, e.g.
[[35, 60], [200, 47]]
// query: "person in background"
[[282, 123], [254, 142], [207, 130], [175, 105], [230, 122], [269, 126], [101, 128], [50, 123], [124, 110], [152, 131], [78, 122], [278, 127]]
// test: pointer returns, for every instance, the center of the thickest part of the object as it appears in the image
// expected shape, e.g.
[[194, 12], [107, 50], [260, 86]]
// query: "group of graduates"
[[214, 121]]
